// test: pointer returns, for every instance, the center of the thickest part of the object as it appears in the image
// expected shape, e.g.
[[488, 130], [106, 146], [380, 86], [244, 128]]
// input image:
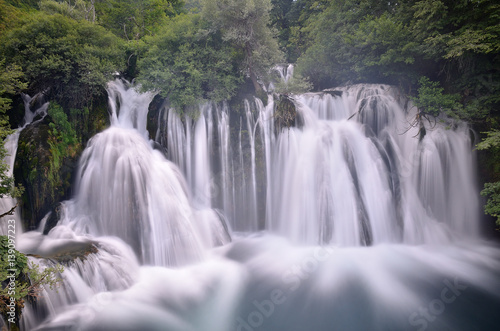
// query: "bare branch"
[[11, 211]]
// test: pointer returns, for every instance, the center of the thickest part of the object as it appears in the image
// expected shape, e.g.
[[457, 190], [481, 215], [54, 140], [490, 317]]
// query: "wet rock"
[[31, 169], [285, 114]]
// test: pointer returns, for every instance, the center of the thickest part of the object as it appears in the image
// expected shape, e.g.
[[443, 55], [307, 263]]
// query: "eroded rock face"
[[31, 169]]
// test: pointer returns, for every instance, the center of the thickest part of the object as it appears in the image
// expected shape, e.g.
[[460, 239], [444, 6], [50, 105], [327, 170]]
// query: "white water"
[[10, 144], [129, 190], [356, 174], [350, 177]]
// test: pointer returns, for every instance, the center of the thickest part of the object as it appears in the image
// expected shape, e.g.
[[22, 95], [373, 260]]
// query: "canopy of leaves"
[[492, 140], [432, 100], [78, 10], [70, 60], [245, 25], [398, 42], [187, 65], [9, 15], [133, 19]]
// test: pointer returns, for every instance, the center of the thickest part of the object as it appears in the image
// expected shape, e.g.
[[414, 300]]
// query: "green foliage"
[[431, 99], [397, 42], [280, 20], [10, 83], [9, 15], [78, 10], [24, 4], [492, 140], [492, 207], [291, 19], [245, 25], [192, 6], [492, 190], [63, 142], [187, 66], [349, 41], [381, 46], [295, 85], [21, 278], [134, 19], [70, 60], [61, 128]]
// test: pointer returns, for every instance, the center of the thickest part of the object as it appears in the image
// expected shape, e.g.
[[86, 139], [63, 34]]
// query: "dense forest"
[[445, 55]]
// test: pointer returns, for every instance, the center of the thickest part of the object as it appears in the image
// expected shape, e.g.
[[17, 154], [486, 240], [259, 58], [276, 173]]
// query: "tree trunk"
[[256, 84], [251, 73]]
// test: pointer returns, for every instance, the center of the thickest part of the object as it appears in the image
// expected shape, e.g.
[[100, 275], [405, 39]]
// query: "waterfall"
[[357, 173], [10, 145], [355, 220], [6, 202], [129, 190]]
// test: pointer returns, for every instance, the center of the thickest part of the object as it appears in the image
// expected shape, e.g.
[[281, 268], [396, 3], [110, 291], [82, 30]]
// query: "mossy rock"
[[31, 169], [93, 122]]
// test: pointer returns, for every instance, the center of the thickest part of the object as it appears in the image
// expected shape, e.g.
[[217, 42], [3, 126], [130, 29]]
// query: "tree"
[[186, 65], [134, 19], [69, 60], [356, 41], [245, 24], [79, 9], [280, 20], [9, 15]]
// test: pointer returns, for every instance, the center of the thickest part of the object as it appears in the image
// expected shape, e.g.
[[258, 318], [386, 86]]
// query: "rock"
[[154, 110], [31, 169], [285, 114]]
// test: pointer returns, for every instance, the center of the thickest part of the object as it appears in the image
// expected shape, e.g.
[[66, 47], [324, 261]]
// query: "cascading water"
[[129, 190], [7, 203], [356, 174], [10, 144]]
